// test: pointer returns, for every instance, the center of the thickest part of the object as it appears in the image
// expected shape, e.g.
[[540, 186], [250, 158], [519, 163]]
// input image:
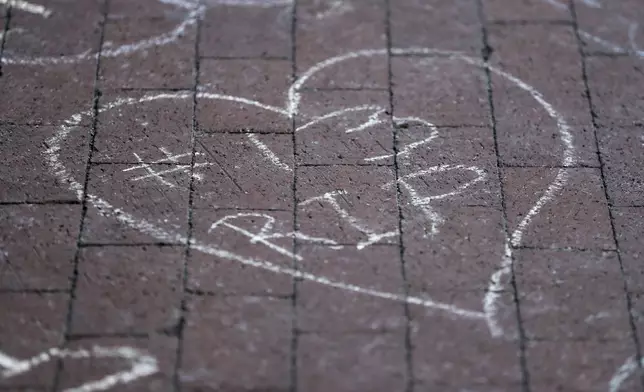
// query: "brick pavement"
[[321, 195]]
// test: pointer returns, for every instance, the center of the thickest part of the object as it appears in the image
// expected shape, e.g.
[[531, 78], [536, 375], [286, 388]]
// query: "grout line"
[[294, 314], [485, 54], [409, 351], [183, 307], [593, 114], [75, 272]]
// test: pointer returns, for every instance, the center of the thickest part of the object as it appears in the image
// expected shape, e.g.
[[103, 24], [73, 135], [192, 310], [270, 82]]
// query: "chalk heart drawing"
[[191, 10], [267, 232], [137, 365]]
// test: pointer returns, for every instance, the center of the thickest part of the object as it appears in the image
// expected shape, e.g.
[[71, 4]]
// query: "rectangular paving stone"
[[621, 150], [629, 230], [571, 295], [349, 362], [161, 66], [46, 95], [465, 251], [25, 147], [161, 348], [127, 289], [327, 29], [155, 126], [241, 31], [637, 311], [347, 204], [613, 83], [225, 337], [37, 245], [36, 36], [502, 10], [610, 27], [344, 127], [575, 216], [158, 195], [440, 90], [264, 81], [245, 235], [447, 167], [322, 308], [586, 365], [527, 133], [454, 354], [445, 26], [248, 171], [32, 324]]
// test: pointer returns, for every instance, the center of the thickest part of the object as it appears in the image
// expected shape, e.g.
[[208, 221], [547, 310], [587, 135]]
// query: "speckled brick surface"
[[321, 195]]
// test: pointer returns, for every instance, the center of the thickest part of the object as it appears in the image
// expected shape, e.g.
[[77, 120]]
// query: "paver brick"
[[31, 324], [454, 167], [526, 10], [629, 230], [527, 133], [164, 66], [159, 199], [621, 150], [163, 348], [610, 27], [227, 336], [232, 231], [22, 148], [37, 95], [328, 29], [37, 246], [440, 90], [34, 35], [578, 365], [346, 362], [454, 354], [252, 32], [356, 203], [154, 126], [577, 217], [237, 172], [264, 81], [333, 310], [127, 289], [571, 295], [613, 83], [467, 248], [447, 26]]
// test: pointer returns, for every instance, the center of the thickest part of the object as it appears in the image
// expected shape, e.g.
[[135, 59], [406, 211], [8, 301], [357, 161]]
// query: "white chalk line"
[[141, 365], [622, 374], [490, 311], [194, 12], [268, 153], [28, 7], [601, 41]]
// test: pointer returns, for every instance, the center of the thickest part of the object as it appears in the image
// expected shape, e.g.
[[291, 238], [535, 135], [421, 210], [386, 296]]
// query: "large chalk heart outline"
[[141, 365], [491, 299], [290, 110]]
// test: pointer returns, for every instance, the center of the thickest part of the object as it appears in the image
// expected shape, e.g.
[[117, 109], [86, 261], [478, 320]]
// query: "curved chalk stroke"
[[193, 11], [490, 307], [141, 365]]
